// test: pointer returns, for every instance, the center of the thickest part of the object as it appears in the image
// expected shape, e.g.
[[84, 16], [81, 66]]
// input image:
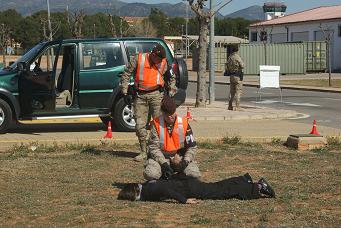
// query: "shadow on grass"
[[92, 150], [119, 185], [121, 153]]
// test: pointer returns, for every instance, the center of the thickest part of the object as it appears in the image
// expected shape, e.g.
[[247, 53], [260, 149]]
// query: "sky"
[[292, 5]]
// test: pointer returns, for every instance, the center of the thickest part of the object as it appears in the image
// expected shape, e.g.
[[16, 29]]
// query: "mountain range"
[[117, 7]]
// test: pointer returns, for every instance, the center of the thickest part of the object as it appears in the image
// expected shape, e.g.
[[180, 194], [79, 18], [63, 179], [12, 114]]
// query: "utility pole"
[[211, 58], [182, 42], [94, 30], [49, 19], [3, 44], [187, 48]]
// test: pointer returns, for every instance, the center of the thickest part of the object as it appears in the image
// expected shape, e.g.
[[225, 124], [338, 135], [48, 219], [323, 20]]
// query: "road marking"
[[323, 121], [56, 121], [333, 99], [302, 104], [265, 102], [288, 103], [299, 116], [76, 141], [65, 117]]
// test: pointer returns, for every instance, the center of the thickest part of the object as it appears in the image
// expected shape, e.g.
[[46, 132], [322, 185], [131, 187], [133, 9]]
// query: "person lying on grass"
[[188, 190]]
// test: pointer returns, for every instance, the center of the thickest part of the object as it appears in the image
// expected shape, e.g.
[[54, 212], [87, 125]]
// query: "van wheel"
[[183, 74], [5, 116], [123, 116]]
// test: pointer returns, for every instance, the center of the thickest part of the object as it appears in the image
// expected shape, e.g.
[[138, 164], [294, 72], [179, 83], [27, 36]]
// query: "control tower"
[[274, 10]]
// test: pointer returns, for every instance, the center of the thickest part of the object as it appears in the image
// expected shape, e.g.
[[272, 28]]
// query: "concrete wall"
[[314, 34]]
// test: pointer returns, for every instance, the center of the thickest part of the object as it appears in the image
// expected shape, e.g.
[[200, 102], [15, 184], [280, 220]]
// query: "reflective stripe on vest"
[[170, 143], [148, 77], [162, 132], [158, 74], [141, 68], [181, 132]]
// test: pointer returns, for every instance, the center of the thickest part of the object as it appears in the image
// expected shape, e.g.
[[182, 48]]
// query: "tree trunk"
[[265, 53], [112, 26], [4, 57], [201, 82]]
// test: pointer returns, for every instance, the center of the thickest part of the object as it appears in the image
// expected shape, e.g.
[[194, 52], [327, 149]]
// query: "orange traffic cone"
[[188, 115], [314, 130], [108, 135]]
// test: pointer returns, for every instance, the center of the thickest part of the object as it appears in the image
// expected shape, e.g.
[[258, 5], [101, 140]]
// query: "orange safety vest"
[[148, 77], [171, 143]]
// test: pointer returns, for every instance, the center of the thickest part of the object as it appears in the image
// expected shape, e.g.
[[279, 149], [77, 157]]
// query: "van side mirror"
[[21, 66]]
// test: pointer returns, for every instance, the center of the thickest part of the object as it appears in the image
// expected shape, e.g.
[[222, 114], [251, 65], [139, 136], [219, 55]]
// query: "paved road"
[[325, 107]]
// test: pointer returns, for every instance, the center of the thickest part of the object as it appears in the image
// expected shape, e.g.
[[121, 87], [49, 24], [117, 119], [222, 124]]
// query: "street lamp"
[[186, 30]]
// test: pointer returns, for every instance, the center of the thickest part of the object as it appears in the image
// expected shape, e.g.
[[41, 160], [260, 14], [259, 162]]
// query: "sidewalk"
[[218, 111]]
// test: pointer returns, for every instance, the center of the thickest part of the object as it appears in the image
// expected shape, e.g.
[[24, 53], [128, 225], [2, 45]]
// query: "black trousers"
[[240, 187]]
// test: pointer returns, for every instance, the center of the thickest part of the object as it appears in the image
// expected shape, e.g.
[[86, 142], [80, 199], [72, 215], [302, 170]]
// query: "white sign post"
[[269, 78]]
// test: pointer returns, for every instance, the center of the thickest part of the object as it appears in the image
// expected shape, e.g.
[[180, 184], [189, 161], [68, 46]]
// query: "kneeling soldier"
[[171, 146]]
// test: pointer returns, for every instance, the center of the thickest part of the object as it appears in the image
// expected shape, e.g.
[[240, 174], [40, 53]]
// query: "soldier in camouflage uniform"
[[171, 146], [148, 70], [234, 68]]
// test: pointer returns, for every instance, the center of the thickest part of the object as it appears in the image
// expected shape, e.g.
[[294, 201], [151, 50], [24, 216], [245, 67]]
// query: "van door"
[[37, 83]]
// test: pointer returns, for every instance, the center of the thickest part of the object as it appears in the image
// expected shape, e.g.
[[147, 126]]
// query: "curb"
[[316, 89], [10, 144]]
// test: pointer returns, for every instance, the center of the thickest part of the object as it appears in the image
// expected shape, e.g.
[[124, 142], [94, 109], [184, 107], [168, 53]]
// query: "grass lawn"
[[313, 82], [74, 186]]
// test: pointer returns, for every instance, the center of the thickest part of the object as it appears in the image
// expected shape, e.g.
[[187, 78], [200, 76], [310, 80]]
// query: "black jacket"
[[240, 187]]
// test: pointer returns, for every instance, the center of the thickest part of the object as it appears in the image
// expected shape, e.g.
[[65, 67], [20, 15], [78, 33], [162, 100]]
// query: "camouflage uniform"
[[234, 68], [156, 156], [144, 101]]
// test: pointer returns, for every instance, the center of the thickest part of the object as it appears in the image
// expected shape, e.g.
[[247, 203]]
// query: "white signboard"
[[269, 76]]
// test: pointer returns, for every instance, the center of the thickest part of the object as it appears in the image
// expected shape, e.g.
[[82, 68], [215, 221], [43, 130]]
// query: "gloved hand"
[[172, 92], [128, 99], [167, 171], [181, 166]]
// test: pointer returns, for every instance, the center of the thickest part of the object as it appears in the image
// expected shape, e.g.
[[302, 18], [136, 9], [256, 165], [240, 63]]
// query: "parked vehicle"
[[74, 79]]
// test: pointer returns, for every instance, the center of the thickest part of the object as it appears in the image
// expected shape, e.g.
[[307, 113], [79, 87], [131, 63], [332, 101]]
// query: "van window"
[[101, 55], [133, 48], [45, 61]]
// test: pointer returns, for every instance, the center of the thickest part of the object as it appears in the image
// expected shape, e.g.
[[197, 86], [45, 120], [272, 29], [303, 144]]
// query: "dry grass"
[[313, 82], [73, 186]]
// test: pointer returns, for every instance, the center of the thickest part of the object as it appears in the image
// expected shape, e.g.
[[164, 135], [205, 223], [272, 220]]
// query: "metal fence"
[[293, 58]]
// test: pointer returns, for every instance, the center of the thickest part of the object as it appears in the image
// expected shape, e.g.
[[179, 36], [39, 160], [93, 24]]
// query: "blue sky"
[[292, 5]]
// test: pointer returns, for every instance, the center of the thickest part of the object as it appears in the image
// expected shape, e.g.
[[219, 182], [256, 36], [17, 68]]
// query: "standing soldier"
[[171, 146], [234, 68], [149, 84]]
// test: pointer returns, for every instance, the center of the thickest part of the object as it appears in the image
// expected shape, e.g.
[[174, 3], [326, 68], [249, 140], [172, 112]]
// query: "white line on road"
[[302, 104], [333, 99], [265, 102], [300, 116], [324, 121], [288, 103]]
